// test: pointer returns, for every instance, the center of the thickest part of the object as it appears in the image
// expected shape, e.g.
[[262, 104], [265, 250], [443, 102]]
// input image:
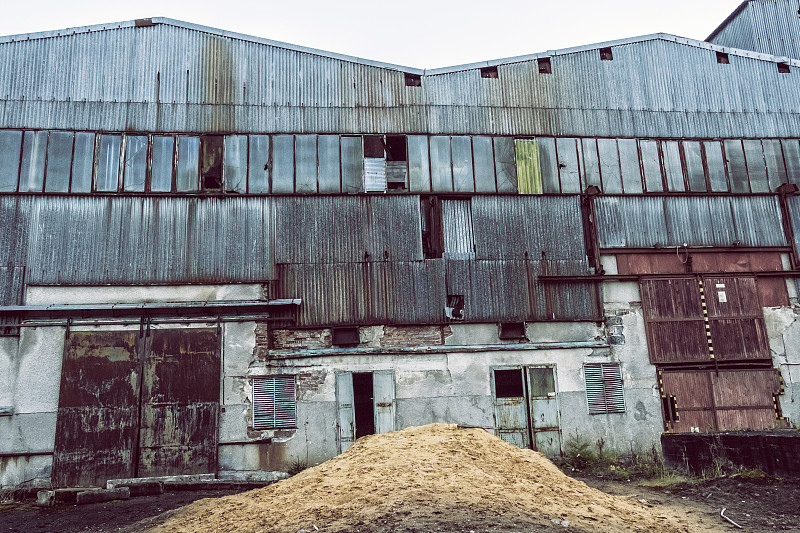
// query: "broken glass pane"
[[135, 163], [107, 176]]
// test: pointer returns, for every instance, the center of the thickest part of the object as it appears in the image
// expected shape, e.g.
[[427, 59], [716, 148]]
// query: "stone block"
[[103, 495]]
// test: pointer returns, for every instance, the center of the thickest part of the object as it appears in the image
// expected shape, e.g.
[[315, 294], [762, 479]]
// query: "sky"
[[413, 33]]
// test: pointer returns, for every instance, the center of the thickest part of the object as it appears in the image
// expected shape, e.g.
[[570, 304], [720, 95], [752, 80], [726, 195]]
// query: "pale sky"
[[414, 33]]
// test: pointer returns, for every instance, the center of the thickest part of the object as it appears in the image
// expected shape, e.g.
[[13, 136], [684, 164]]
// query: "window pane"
[[10, 146], [236, 163], [737, 170], [629, 168], [652, 166], [135, 163], [716, 166], [107, 177], [258, 164], [211, 167], [306, 163], [283, 164], [59, 161], [608, 154], [188, 163], [31, 173], [161, 177], [694, 166], [82, 162]]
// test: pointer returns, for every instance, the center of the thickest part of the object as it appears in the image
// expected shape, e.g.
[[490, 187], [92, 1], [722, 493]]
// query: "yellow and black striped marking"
[[705, 319]]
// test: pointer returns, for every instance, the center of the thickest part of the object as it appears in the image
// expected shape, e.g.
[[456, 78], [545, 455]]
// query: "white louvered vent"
[[604, 388], [274, 402]]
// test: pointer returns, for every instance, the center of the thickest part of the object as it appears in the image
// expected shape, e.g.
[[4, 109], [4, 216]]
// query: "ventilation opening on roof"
[[143, 23], [413, 80], [345, 336], [722, 58], [544, 65], [489, 72], [455, 307], [211, 162], [783, 68], [606, 54], [512, 331]]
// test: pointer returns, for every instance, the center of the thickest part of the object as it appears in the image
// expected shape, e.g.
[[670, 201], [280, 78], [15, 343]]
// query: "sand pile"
[[422, 479]]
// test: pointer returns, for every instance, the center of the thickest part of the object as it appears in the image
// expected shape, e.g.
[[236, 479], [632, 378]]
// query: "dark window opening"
[[432, 231], [455, 307], [783, 68], [606, 54], [489, 72], [373, 146], [363, 404], [211, 162], [512, 331], [396, 148], [544, 65], [508, 383], [345, 336], [722, 58], [413, 80]]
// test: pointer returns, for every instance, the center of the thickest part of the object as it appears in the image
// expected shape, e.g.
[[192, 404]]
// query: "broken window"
[[508, 383], [135, 167], [604, 392], [432, 231], [455, 307], [211, 162], [413, 80], [162, 163], [722, 58], [385, 163], [783, 68], [274, 402], [512, 331], [606, 54], [544, 65], [188, 160], [489, 72], [107, 170], [10, 145]]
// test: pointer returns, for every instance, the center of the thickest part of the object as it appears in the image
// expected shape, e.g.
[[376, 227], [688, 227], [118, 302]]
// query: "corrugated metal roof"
[[182, 78], [765, 26], [644, 222]]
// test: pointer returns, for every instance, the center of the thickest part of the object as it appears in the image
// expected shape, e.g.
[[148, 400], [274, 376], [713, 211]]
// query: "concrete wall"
[[783, 330]]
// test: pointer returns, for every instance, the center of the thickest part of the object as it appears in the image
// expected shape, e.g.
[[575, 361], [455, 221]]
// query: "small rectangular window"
[[396, 162], [722, 58], [374, 163], [31, 176], [508, 383], [345, 336], [107, 174], [59, 161], [606, 54], [10, 146], [604, 391], [162, 163], [274, 402], [211, 162], [188, 163], [413, 80], [489, 72], [236, 163], [83, 162], [783, 68], [512, 331], [135, 168], [258, 164], [544, 65]]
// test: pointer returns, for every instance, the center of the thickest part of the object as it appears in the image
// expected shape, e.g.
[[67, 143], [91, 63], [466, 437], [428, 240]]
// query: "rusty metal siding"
[[736, 319], [175, 76], [640, 222], [766, 26], [674, 320], [341, 229], [125, 240], [508, 227], [794, 216], [12, 284]]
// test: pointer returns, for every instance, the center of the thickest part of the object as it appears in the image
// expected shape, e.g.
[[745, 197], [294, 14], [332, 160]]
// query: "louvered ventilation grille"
[[274, 402], [604, 388]]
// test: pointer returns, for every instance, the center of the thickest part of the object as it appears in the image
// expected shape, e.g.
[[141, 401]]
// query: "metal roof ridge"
[[735, 13]]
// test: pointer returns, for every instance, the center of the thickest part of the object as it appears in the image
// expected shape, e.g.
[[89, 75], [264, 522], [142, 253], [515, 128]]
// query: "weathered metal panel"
[[459, 241], [98, 409], [441, 164], [419, 170], [505, 164], [529, 167], [15, 219], [737, 323], [674, 320], [545, 424], [692, 396], [510, 412], [12, 280], [384, 402], [762, 26], [345, 411], [697, 221], [180, 403], [744, 399], [511, 227]]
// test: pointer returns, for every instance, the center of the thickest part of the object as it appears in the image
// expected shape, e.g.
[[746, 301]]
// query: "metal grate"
[[274, 402], [604, 392]]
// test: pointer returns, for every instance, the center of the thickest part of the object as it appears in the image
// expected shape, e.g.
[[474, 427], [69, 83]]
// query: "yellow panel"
[[529, 169]]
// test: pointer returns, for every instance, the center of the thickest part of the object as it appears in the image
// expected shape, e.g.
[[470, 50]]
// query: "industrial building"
[[223, 254]]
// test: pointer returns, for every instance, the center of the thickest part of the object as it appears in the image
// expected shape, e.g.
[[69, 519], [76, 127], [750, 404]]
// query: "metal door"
[[510, 406], [544, 414], [98, 409], [383, 394], [345, 410], [180, 403]]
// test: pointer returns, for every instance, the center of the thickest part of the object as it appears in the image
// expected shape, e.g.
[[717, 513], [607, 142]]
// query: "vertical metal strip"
[[705, 318]]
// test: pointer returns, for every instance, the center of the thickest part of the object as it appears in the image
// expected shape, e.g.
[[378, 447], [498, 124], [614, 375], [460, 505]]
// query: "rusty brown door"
[[180, 403], [98, 409], [736, 318], [674, 320]]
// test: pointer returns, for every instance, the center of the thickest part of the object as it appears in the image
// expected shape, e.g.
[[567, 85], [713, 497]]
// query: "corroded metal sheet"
[[736, 318], [98, 409], [180, 403]]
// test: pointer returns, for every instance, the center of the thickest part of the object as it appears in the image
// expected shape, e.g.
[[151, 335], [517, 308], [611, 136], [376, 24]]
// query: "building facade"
[[222, 254]]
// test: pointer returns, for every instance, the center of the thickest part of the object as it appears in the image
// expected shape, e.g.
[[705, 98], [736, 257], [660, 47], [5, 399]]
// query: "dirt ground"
[[772, 505], [437, 478]]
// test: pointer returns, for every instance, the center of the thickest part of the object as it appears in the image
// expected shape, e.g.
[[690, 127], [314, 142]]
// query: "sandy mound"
[[422, 479]]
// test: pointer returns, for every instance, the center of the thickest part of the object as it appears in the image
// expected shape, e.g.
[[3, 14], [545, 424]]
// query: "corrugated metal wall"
[[644, 222], [767, 26], [172, 78]]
